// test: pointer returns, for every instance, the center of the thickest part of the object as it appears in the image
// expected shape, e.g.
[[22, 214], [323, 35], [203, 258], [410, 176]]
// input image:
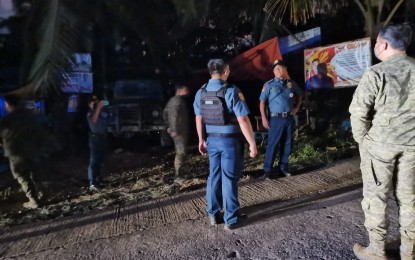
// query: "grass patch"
[[315, 151], [307, 154]]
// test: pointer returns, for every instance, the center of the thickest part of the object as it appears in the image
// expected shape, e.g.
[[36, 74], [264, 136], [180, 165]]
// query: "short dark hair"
[[217, 66], [13, 100], [397, 35], [179, 86]]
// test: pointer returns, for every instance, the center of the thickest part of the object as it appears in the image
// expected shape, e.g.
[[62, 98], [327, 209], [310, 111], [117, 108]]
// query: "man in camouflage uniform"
[[383, 123], [176, 116], [22, 138]]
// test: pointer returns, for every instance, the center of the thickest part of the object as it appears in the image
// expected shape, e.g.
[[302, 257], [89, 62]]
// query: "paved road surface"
[[315, 215]]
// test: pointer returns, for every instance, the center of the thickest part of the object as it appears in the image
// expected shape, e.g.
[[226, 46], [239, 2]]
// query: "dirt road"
[[315, 215], [289, 218]]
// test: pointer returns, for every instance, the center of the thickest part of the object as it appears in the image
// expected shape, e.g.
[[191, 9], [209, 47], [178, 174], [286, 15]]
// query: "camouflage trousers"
[[22, 170], [388, 169], [180, 144]]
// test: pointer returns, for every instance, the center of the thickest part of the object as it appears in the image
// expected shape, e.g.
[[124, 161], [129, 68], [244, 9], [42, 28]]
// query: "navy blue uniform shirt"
[[279, 94]]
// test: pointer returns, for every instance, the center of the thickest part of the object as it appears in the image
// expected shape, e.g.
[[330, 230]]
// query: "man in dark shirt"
[[97, 142]]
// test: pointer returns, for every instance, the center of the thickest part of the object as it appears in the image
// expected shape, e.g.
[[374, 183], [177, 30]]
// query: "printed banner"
[[338, 65], [73, 103], [82, 62], [299, 40], [81, 79], [78, 82]]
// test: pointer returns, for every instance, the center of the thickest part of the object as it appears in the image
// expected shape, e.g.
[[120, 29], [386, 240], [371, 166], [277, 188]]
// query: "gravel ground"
[[314, 215], [142, 214]]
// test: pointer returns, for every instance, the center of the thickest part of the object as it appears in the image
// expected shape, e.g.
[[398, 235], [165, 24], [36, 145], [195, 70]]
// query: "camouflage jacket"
[[176, 115], [383, 105]]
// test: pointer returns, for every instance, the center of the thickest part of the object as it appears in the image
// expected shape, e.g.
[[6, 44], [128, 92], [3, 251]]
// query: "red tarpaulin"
[[254, 64]]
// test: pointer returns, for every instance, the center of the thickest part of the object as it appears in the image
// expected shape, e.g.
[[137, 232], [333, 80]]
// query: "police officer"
[[98, 143], [176, 116], [224, 145], [276, 106], [383, 123], [22, 138]]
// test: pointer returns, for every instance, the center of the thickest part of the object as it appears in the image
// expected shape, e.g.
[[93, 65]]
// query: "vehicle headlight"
[[155, 113]]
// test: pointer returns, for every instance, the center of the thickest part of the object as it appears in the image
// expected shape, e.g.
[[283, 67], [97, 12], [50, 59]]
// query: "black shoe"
[[215, 220], [242, 218], [285, 172], [100, 182], [266, 176]]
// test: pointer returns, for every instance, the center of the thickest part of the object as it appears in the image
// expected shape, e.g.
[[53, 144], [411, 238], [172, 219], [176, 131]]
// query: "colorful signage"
[[338, 65], [81, 79]]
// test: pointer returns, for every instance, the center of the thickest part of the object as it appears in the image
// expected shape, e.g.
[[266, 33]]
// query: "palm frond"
[[190, 12], [301, 10], [57, 38]]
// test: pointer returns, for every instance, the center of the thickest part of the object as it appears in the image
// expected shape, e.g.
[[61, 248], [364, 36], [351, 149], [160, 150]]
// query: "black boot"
[[284, 171]]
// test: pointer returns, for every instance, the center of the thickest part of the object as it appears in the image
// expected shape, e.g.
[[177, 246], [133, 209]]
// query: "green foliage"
[[168, 36], [307, 155], [314, 151], [374, 12], [52, 34]]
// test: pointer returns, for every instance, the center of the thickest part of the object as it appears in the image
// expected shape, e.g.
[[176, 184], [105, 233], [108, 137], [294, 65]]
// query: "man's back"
[[22, 134], [391, 84], [176, 114]]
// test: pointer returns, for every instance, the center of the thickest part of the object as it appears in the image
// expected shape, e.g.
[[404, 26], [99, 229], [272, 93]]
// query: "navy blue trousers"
[[279, 140], [98, 146], [226, 164]]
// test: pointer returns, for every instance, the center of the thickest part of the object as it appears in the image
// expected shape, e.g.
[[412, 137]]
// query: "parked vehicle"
[[136, 107]]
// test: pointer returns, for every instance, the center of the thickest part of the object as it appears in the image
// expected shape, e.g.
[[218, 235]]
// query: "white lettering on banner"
[[351, 63], [346, 62], [80, 80], [302, 36]]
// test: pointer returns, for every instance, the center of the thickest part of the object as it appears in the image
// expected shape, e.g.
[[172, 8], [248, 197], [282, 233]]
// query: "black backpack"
[[213, 107]]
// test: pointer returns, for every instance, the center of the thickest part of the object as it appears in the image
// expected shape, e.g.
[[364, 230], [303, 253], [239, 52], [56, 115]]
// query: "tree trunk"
[[392, 13], [367, 12]]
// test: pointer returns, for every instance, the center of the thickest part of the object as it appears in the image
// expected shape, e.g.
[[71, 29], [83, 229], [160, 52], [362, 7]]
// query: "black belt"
[[225, 135], [283, 114]]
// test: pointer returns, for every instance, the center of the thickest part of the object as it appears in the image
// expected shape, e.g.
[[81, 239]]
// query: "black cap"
[[279, 62]]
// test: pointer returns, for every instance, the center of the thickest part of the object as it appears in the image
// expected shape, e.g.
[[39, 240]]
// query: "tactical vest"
[[213, 107]]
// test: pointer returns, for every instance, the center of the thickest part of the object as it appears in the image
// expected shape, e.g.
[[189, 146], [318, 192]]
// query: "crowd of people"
[[382, 120]]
